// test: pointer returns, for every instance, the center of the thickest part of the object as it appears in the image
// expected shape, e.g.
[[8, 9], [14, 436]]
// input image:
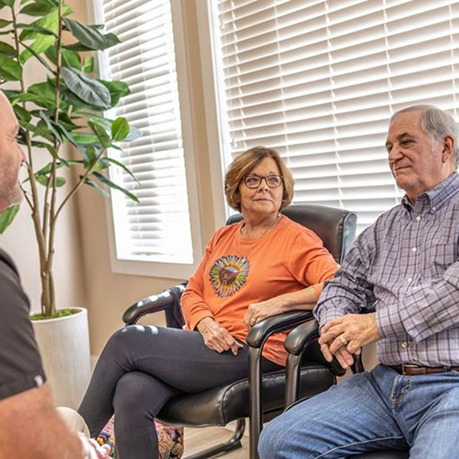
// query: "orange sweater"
[[237, 271]]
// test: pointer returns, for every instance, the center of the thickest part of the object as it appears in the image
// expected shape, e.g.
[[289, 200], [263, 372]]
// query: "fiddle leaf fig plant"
[[66, 108]]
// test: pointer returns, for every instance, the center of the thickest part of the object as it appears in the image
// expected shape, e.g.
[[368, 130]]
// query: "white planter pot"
[[64, 347]]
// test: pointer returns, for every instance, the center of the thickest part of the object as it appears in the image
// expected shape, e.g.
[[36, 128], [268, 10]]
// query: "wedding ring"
[[343, 340]]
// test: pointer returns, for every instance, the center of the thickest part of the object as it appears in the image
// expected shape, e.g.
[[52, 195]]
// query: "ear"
[[449, 145]]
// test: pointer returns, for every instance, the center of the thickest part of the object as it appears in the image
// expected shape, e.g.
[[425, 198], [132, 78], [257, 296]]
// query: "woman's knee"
[[139, 393], [131, 391]]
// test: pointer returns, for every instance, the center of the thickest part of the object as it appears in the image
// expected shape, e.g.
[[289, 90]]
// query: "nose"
[[23, 156], [395, 154], [263, 184]]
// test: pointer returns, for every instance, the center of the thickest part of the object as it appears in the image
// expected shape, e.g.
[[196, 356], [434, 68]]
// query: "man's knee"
[[271, 439]]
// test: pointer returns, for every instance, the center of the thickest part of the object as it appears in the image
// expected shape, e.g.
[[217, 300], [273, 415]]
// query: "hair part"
[[437, 124], [244, 163]]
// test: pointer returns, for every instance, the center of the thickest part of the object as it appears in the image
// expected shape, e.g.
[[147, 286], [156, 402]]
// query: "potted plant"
[[65, 109]]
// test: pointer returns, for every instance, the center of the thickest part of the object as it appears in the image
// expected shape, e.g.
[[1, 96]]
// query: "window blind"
[[318, 81], [158, 229]]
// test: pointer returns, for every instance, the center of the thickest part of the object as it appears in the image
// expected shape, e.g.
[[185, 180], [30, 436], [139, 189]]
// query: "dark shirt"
[[20, 363]]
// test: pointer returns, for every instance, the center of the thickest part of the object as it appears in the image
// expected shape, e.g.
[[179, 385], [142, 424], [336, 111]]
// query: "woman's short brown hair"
[[243, 164]]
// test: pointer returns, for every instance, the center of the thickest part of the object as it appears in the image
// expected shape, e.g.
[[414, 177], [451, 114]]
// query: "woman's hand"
[[257, 312], [217, 337]]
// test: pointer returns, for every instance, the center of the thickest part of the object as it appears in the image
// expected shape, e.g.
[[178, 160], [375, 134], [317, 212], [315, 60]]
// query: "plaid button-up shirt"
[[406, 267]]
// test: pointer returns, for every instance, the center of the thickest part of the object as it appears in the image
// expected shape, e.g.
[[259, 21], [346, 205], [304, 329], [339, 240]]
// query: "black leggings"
[[142, 367]]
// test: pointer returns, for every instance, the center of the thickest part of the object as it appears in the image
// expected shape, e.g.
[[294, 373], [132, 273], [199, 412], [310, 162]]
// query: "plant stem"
[[34, 204], [53, 174], [81, 181]]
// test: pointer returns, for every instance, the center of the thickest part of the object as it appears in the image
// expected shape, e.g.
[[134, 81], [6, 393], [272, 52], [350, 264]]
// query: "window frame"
[[154, 268]]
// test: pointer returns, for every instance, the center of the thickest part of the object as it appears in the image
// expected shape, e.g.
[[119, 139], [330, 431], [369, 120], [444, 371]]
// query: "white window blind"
[[158, 229], [319, 80]]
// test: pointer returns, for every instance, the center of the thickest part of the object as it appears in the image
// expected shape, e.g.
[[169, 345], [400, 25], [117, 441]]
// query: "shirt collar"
[[436, 197]]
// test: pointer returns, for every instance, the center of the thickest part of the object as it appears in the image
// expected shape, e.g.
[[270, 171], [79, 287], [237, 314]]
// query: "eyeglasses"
[[254, 181]]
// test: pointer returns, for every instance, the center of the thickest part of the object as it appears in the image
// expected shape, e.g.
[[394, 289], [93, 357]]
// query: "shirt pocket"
[[440, 257]]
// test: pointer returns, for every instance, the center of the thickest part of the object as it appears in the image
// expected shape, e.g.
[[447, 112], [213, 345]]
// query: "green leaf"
[[84, 138], [7, 49], [117, 90], [120, 129], [8, 2], [134, 134], [89, 36], [4, 23], [49, 147], [52, 126], [36, 130], [101, 133], [122, 166], [22, 114], [7, 217], [10, 69], [94, 185], [69, 58], [88, 65], [31, 31], [38, 9], [43, 180], [40, 45], [86, 88], [45, 94], [33, 52], [113, 185]]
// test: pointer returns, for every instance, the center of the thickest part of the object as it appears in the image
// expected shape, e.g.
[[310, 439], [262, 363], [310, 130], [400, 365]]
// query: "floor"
[[199, 439]]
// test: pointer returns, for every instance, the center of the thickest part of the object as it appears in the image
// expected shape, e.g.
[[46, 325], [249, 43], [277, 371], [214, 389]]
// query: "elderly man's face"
[[418, 162], [11, 156]]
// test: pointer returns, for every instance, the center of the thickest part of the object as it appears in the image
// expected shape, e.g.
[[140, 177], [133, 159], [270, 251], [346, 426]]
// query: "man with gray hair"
[[30, 425], [403, 272]]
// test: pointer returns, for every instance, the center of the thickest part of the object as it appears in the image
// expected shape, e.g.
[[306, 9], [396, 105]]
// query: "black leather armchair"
[[297, 343], [260, 398]]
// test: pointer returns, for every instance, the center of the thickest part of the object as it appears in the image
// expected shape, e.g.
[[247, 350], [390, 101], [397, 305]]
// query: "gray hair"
[[436, 123]]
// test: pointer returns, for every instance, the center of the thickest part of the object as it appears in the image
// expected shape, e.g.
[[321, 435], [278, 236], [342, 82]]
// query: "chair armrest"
[[302, 336], [154, 303], [256, 339], [281, 322]]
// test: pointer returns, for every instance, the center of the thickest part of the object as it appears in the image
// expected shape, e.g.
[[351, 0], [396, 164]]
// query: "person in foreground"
[[406, 267], [251, 270], [30, 424]]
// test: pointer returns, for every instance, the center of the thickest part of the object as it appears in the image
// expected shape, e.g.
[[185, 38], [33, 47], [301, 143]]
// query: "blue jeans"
[[371, 411]]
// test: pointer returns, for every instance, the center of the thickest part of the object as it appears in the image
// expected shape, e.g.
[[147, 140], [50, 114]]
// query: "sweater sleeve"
[[310, 262], [194, 308]]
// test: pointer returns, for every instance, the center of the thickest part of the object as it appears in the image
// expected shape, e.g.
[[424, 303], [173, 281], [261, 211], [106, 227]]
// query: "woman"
[[251, 270]]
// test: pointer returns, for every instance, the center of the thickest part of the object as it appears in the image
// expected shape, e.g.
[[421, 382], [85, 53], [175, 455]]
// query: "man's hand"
[[92, 450], [344, 337], [256, 312], [217, 337]]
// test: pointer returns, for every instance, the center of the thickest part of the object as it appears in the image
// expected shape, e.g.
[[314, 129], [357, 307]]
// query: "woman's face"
[[263, 200]]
